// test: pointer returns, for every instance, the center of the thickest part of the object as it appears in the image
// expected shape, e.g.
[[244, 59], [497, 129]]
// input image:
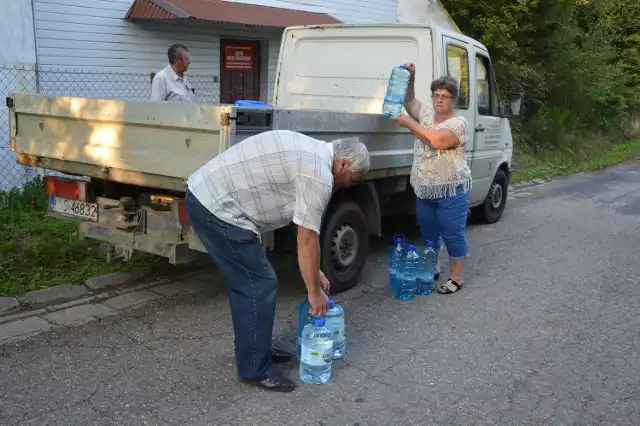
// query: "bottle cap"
[[411, 247], [332, 304], [429, 243], [318, 321]]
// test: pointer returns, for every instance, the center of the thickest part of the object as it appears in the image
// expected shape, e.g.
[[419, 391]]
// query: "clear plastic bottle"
[[396, 91], [407, 283], [304, 317], [427, 269], [316, 351], [335, 322], [396, 257]]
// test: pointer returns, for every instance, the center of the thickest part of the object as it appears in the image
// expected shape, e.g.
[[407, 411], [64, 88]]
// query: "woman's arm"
[[436, 139]]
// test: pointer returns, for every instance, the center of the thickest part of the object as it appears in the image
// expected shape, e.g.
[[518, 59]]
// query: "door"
[[457, 61], [239, 71], [488, 149]]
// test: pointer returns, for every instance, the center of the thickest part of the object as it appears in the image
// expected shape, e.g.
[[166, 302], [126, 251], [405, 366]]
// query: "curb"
[[20, 326], [521, 186]]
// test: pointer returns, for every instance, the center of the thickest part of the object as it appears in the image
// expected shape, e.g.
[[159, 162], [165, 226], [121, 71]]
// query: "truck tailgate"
[[156, 144]]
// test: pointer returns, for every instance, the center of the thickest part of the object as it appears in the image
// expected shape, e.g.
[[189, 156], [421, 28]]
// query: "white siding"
[[93, 36], [348, 11]]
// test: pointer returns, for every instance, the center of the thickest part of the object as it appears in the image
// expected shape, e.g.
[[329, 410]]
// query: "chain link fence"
[[84, 84]]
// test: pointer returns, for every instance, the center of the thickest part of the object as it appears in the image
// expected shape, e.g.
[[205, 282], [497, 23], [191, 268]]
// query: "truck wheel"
[[491, 210], [344, 244]]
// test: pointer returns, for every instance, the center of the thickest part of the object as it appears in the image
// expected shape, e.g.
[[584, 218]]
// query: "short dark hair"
[[447, 83], [175, 52]]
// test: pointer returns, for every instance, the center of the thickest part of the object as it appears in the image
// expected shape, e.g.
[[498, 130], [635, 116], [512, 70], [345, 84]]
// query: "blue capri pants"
[[446, 218]]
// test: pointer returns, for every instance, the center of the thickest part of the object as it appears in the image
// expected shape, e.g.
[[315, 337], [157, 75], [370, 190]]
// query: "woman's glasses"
[[441, 97]]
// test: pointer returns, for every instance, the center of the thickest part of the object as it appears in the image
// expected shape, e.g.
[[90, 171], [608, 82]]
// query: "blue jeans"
[[446, 218], [251, 284]]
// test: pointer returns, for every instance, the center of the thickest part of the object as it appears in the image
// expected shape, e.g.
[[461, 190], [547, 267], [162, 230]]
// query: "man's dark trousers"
[[251, 284]]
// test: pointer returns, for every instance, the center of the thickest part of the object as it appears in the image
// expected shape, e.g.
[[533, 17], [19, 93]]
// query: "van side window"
[[486, 89], [458, 68]]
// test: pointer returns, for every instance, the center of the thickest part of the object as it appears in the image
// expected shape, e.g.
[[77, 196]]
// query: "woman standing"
[[440, 176]]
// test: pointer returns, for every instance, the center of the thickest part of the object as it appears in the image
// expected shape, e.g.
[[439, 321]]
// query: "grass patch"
[[38, 251], [594, 155]]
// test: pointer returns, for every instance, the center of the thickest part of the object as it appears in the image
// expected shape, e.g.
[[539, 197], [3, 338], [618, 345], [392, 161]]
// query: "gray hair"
[[176, 52], [447, 83], [353, 151]]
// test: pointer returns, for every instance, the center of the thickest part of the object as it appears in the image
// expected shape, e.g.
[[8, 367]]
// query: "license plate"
[[73, 208]]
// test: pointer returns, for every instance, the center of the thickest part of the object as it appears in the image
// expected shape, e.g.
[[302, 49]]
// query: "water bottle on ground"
[[335, 322], [396, 257], [316, 351], [427, 268], [407, 280], [396, 91], [304, 317]]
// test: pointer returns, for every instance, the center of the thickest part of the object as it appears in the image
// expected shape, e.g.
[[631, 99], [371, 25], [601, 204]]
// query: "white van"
[[347, 67]]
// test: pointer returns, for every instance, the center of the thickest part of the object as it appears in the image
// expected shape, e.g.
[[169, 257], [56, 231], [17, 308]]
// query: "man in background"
[[171, 84]]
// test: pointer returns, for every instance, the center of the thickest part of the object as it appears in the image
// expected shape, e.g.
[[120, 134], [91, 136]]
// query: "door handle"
[[480, 128]]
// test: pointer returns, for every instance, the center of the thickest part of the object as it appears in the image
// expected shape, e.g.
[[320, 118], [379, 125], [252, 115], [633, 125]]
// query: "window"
[[458, 68], [486, 89]]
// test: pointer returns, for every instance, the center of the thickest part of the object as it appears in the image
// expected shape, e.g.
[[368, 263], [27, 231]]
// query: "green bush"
[[38, 251]]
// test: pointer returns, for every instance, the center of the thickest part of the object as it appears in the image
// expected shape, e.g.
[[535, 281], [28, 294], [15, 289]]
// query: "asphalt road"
[[546, 331]]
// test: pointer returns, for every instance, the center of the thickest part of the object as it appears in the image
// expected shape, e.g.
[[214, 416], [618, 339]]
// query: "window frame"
[[468, 85], [494, 93]]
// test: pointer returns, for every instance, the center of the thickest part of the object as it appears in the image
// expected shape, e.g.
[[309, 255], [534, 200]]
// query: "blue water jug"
[[406, 288], [427, 268], [304, 317], [396, 91], [396, 257]]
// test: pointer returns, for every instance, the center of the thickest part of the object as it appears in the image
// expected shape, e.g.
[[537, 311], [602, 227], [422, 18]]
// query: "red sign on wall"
[[238, 57]]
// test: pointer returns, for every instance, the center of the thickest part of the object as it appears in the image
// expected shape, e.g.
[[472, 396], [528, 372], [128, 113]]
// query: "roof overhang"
[[225, 12]]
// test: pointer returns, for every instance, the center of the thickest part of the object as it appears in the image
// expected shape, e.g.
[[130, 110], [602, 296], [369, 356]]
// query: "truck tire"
[[344, 244], [491, 210]]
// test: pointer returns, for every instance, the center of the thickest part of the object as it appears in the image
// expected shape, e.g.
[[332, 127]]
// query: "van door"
[[488, 148], [457, 60]]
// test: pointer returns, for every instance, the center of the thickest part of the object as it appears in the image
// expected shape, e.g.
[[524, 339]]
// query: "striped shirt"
[[267, 181]]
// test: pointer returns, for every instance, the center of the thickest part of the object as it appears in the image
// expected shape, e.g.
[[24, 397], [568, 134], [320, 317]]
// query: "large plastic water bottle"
[[407, 280], [316, 350], [396, 91], [396, 257], [335, 322], [426, 269], [304, 318]]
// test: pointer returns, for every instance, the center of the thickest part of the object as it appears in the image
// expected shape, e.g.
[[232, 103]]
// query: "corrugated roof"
[[224, 11]]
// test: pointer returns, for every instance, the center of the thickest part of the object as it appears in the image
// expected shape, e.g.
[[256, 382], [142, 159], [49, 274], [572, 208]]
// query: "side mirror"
[[513, 107]]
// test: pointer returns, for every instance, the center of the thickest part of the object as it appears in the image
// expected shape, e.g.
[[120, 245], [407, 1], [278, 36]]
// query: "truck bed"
[[159, 144]]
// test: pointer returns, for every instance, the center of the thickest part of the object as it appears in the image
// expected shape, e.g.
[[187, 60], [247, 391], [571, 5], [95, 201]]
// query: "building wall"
[[92, 35]]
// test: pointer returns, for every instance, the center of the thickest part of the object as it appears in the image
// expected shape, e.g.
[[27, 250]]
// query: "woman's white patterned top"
[[437, 173]]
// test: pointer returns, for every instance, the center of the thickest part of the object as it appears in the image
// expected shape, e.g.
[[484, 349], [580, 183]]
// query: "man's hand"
[[319, 303], [324, 283]]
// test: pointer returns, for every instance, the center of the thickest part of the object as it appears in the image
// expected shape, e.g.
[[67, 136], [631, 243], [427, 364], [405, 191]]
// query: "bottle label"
[[317, 356]]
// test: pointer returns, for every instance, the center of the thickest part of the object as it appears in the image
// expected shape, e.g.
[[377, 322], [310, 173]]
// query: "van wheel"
[[491, 210], [344, 245]]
